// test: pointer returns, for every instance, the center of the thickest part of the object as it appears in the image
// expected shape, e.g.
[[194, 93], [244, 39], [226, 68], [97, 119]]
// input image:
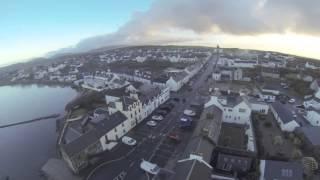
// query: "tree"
[[296, 154], [277, 140], [309, 165]]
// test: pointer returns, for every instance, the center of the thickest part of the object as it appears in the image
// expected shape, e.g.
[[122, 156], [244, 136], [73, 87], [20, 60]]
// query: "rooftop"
[[284, 113], [312, 133], [281, 170], [93, 134]]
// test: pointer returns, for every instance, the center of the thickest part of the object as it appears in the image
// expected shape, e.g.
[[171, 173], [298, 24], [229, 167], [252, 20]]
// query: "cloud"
[[167, 20]]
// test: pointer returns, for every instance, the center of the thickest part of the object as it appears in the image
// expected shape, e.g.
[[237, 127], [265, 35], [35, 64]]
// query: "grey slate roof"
[[271, 87], [312, 133], [127, 101], [94, 134], [282, 170], [192, 170], [236, 163], [285, 114], [179, 76]]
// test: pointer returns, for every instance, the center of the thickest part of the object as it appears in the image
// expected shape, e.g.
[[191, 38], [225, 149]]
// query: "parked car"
[[151, 123], [165, 108], [161, 112], [292, 100], [149, 167], [128, 141], [174, 137], [157, 117], [189, 112], [176, 99], [185, 122]]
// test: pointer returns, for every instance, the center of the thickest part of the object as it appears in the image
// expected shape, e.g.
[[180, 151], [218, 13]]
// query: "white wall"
[[260, 108], [239, 114], [115, 135], [173, 85], [313, 117]]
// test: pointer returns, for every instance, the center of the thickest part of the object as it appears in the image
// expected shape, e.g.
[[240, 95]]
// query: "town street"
[[153, 144]]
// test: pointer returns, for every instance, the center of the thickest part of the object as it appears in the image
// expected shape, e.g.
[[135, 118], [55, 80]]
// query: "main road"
[[153, 145]]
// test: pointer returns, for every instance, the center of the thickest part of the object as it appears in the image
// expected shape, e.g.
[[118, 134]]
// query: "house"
[[229, 73], [315, 85], [272, 170], [233, 163], [310, 136], [235, 108], [125, 101], [313, 116], [90, 136], [312, 66], [258, 106], [177, 80], [103, 81], [285, 118], [239, 63], [216, 75], [270, 73], [197, 154], [312, 101], [151, 96], [268, 93]]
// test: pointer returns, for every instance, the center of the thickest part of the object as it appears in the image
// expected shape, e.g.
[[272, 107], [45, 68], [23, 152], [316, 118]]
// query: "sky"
[[32, 28]]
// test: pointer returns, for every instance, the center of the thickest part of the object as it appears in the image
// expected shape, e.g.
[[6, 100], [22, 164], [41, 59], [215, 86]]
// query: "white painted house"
[[315, 85], [285, 118], [313, 116], [126, 102], [235, 109]]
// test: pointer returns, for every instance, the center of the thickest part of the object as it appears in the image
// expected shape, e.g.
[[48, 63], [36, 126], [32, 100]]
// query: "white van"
[[149, 167]]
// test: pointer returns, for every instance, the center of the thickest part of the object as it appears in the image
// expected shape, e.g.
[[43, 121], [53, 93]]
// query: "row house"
[[285, 118], [126, 102], [89, 136]]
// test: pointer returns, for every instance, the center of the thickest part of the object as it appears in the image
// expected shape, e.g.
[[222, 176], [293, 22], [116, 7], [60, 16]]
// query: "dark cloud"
[[245, 17]]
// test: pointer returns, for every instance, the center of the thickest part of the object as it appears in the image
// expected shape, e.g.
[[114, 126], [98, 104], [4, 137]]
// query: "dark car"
[[176, 99], [161, 112]]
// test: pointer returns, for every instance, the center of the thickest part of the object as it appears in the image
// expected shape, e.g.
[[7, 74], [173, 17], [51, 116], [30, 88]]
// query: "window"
[[242, 110], [230, 110], [124, 131], [115, 130], [122, 124]]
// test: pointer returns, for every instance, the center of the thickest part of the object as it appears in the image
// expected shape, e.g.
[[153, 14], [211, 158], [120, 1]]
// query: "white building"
[[285, 118], [55, 68], [258, 106], [126, 102], [312, 101], [313, 116], [235, 109], [177, 80], [315, 85], [268, 93], [88, 136], [312, 66], [103, 81]]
